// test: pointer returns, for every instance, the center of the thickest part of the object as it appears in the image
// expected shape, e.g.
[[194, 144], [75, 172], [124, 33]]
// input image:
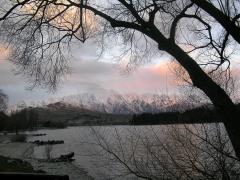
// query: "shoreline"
[[24, 152]]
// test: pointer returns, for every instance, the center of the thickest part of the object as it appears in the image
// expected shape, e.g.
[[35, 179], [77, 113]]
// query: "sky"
[[90, 75]]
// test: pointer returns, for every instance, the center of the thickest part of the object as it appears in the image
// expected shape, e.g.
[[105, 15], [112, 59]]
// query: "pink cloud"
[[147, 79], [4, 52]]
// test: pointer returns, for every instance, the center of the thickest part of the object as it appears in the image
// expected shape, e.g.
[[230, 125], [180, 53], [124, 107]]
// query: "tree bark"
[[226, 109], [222, 18]]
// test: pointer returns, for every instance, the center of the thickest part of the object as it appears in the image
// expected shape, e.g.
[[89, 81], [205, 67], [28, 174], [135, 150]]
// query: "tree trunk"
[[226, 109]]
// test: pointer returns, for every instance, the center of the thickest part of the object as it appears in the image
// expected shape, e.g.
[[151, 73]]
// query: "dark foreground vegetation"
[[16, 165], [57, 115], [197, 115], [19, 120]]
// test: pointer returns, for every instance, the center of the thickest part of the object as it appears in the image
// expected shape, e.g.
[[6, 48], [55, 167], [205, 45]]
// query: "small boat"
[[62, 158], [67, 156]]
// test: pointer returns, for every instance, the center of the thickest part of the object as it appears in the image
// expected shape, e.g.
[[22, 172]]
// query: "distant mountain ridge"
[[88, 109], [62, 114], [132, 104]]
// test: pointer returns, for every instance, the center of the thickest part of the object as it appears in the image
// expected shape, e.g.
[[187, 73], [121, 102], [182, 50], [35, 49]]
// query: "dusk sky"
[[88, 74], [92, 75]]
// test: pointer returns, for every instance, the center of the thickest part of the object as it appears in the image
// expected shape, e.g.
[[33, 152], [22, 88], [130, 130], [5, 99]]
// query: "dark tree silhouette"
[[231, 24], [3, 101], [40, 30]]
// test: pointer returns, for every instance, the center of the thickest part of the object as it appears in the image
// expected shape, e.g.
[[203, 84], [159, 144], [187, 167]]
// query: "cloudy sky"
[[92, 75]]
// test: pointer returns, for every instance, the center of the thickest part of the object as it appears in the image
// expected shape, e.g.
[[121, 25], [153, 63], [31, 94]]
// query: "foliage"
[[4, 120], [19, 120], [201, 114], [195, 115]]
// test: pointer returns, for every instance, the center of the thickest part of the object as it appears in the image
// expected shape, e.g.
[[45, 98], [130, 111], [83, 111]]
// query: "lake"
[[82, 141], [99, 149]]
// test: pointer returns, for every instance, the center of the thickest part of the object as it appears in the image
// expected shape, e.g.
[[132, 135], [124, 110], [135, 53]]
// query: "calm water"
[[84, 142], [90, 144]]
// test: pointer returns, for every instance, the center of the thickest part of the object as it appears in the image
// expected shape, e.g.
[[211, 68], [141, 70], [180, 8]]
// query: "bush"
[[19, 138]]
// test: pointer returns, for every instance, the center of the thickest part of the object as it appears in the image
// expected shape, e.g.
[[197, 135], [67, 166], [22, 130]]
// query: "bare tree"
[[173, 152], [40, 30], [226, 14]]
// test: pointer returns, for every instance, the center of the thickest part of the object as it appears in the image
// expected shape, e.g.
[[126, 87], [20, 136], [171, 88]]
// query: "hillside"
[[62, 114]]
